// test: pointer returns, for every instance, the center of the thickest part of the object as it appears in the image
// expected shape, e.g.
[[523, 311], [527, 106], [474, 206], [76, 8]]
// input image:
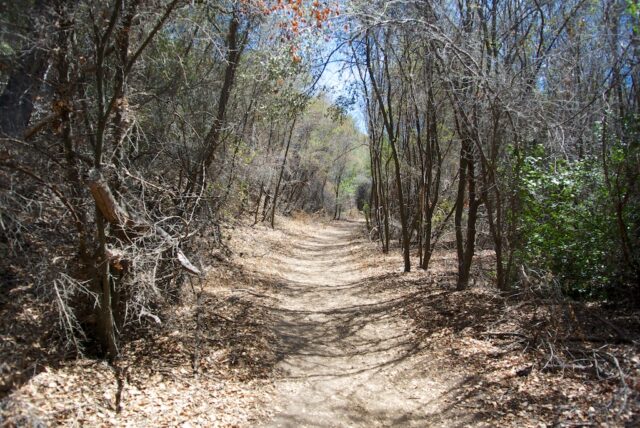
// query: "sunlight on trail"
[[348, 356]]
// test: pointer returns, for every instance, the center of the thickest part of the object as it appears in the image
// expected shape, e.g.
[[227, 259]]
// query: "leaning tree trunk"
[[284, 162]]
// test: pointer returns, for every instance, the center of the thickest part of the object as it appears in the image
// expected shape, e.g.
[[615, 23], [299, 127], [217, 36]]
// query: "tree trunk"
[[387, 119], [212, 139], [336, 214], [284, 162], [465, 245]]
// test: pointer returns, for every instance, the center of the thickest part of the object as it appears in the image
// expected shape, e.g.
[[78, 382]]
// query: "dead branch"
[[119, 217], [505, 334]]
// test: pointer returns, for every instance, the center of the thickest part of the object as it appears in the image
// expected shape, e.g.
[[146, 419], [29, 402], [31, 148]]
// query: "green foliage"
[[632, 8], [566, 227], [6, 49], [445, 205]]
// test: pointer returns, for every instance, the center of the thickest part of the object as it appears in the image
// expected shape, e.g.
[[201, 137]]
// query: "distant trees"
[[488, 107]]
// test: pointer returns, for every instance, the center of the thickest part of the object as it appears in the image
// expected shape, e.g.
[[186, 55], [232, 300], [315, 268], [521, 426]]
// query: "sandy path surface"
[[349, 358]]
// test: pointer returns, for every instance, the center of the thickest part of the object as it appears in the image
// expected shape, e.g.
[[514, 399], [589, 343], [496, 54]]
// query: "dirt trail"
[[349, 358]]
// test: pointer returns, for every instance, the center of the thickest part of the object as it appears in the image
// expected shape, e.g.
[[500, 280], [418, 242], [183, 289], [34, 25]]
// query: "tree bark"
[[391, 133], [284, 162]]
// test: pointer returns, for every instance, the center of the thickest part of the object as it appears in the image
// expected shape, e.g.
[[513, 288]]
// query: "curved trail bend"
[[348, 354]]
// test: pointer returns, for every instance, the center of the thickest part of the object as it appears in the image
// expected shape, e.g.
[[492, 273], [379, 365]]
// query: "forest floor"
[[311, 325]]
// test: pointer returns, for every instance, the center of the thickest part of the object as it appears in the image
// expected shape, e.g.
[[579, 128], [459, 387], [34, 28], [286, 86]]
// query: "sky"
[[336, 82]]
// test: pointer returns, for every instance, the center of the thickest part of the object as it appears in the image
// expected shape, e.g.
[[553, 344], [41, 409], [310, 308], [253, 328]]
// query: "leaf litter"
[[526, 361]]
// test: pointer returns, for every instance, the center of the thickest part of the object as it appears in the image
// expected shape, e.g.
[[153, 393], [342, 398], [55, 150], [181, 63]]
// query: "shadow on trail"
[[343, 343], [336, 334], [335, 330]]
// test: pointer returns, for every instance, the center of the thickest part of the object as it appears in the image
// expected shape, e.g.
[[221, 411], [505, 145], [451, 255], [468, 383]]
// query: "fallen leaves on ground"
[[208, 363], [525, 361]]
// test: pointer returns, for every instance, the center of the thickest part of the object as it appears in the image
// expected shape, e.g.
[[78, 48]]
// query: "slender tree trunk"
[[465, 245], [255, 214], [107, 333], [396, 161], [336, 215], [235, 44], [274, 204]]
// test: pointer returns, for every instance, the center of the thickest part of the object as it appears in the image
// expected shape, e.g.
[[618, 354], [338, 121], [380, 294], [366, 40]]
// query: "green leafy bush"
[[566, 225]]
